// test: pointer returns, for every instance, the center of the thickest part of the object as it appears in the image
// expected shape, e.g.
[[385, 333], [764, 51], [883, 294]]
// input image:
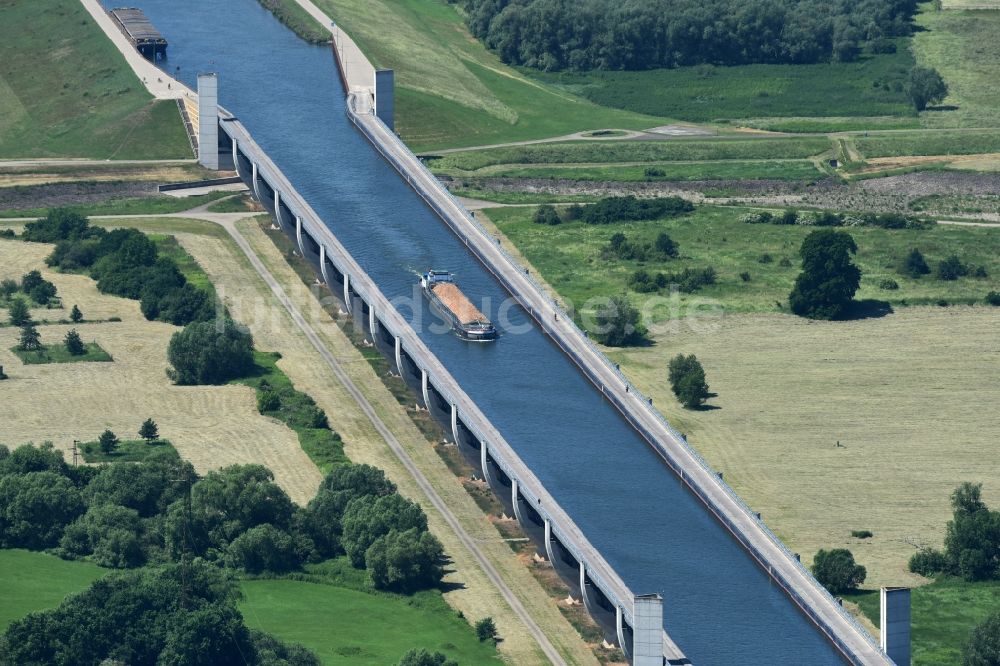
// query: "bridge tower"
[[647, 634], [895, 624], [208, 120], [384, 104]]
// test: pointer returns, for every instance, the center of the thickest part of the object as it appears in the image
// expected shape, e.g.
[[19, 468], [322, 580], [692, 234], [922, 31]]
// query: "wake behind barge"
[[448, 299]]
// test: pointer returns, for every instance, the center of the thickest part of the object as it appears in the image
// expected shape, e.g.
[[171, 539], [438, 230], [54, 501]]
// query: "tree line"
[[646, 34]]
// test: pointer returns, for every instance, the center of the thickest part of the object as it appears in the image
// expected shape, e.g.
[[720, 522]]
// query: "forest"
[[646, 34]]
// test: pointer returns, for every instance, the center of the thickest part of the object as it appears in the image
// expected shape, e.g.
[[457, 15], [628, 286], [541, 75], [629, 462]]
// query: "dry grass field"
[[911, 398], [212, 426]]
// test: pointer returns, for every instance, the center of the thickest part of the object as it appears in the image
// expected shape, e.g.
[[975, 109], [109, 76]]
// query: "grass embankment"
[[299, 20], [65, 91], [665, 171], [962, 45], [31, 581], [129, 450], [942, 617], [569, 257], [235, 204], [866, 93], [296, 410], [156, 205], [450, 91], [57, 353], [929, 143]]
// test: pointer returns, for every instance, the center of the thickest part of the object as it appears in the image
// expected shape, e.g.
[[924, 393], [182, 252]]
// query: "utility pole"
[[76, 460]]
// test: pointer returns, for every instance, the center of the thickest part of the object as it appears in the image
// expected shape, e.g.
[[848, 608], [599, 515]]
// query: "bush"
[[687, 381], [983, 648], [405, 561], [268, 401], [205, 353], [422, 657], [927, 562], [888, 284], [745, 276], [486, 629], [263, 548], [785, 262], [757, 217], [75, 315], [59, 224], [765, 259], [993, 298], [617, 323], [7, 233], [836, 570], [630, 208], [653, 172], [951, 268], [546, 214], [914, 265], [862, 534]]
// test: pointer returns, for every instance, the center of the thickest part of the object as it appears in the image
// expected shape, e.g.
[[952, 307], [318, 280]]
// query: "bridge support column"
[[277, 208], [623, 643], [371, 320], [322, 264], [647, 630], [236, 156], [894, 628], [454, 422], [347, 292], [399, 354], [298, 233], [384, 103], [483, 455], [208, 121], [424, 381], [253, 181]]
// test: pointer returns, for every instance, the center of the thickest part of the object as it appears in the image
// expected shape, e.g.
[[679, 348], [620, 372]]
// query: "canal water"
[[718, 605]]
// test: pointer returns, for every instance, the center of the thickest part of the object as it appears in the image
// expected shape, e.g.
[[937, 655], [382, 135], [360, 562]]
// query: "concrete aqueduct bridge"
[[634, 622]]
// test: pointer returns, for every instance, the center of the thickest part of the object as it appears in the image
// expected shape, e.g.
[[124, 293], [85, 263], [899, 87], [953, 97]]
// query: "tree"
[[35, 508], [836, 570], [914, 265], [617, 323], [405, 561], [546, 214], [422, 657], [322, 518], [149, 430], [59, 224], [687, 380], [925, 86], [18, 313], [972, 536], [75, 315], [210, 353], [108, 441], [112, 534], [8, 288], [30, 280], [665, 246], [486, 629], [263, 548], [74, 345], [983, 648], [368, 518], [828, 280], [29, 340]]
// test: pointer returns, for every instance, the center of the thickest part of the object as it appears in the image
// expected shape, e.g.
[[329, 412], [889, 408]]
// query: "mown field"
[[65, 91], [569, 257], [450, 91], [943, 615], [872, 86], [32, 582]]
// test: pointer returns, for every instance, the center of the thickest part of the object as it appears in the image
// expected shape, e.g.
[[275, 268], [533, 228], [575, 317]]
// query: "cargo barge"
[[448, 299]]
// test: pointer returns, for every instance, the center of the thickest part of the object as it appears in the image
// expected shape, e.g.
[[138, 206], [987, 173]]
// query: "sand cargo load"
[[456, 308]]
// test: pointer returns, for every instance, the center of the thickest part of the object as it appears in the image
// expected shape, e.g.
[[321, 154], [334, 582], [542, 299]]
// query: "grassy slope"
[[450, 91], [568, 256], [943, 615], [672, 171], [66, 91], [716, 94], [35, 581], [298, 19], [156, 205], [345, 626], [963, 46]]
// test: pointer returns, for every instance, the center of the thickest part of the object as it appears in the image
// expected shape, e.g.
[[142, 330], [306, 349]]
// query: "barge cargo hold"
[[448, 299]]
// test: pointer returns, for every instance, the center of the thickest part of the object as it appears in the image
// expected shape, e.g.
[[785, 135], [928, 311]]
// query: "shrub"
[[75, 315], [993, 298], [757, 217], [205, 353], [665, 246], [951, 268], [765, 259], [745, 276], [790, 216], [422, 657], [785, 262], [983, 648], [914, 265], [268, 401], [486, 629], [687, 381], [888, 284], [546, 214], [653, 172], [8, 288], [927, 562], [7, 233], [862, 534], [617, 323], [836, 570], [59, 224], [74, 345], [979, 272], [630, 208]]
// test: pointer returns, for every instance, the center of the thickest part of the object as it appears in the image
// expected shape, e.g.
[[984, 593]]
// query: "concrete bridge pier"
[[563, 562], [531, 522], [498, 481], [322, 264], [347, 292], [624, 632], [424, 384], [597, 604], [253, 182], [208, 120]]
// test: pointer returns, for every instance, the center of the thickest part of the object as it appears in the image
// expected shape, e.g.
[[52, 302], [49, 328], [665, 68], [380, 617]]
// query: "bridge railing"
[[644, 401]]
